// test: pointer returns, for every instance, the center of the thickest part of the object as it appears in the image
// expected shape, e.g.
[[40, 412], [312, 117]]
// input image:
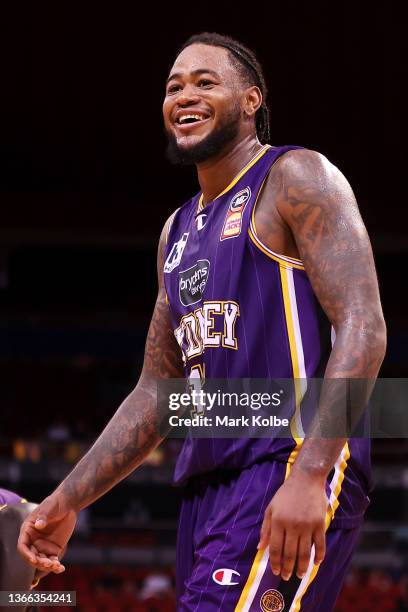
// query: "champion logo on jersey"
[[174, 257], [201, 220], [233, 220], [225, 576]]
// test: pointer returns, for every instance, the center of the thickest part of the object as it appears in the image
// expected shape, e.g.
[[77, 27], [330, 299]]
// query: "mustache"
[[209, 146]]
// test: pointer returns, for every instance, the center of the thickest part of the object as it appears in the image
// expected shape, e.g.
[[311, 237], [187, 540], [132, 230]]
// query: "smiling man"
[[266, 273]]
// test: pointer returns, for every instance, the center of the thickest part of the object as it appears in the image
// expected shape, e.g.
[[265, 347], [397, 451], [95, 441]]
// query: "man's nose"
[[188, 95]]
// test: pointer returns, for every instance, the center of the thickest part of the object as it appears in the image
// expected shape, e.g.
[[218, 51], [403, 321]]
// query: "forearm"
[[131, 434], [349, 379], [135, 429]]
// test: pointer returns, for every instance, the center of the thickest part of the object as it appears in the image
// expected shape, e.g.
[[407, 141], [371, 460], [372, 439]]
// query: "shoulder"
[[8, 497], [306, 171], [181, 210], [167, 227]]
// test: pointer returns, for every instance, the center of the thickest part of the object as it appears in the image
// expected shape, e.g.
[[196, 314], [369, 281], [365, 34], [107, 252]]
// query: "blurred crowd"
[[116, 589], [376, 590], [61, 442]]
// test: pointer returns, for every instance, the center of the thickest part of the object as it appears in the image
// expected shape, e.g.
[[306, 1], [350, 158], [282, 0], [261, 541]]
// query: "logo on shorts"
[[272, 601], [174, 257], [233, 220], [225, 576], [192, 282]]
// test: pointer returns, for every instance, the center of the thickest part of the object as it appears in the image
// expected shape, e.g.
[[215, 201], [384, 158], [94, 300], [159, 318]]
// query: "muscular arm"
[[319, 207], [133, 431], [316, 207]]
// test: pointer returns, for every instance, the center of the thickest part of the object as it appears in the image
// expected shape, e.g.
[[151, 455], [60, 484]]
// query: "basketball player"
[[15, 575], [282, 257]]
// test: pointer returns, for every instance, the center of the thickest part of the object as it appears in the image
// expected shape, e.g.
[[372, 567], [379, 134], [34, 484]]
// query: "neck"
[[215, 174]]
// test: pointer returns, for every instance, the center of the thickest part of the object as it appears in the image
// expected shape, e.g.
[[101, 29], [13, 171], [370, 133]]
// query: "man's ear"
[[252, 101]]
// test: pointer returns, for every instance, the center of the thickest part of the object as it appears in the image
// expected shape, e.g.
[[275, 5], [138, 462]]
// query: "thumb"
[[40, 521]]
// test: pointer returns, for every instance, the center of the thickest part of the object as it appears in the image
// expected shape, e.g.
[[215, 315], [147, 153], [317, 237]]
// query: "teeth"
[[186, 117]]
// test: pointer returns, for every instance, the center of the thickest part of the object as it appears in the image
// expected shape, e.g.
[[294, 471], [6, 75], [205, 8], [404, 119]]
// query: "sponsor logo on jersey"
[[272, 601], [233, 220], [225, 576], [201, 220], [192, 282], [174, 257]]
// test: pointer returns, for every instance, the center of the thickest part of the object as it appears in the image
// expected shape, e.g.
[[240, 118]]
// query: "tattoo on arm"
[[316, 202], [134, 430]]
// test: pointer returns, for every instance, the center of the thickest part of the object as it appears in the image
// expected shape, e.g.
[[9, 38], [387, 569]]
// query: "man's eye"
[[205, 83], [173, 89]]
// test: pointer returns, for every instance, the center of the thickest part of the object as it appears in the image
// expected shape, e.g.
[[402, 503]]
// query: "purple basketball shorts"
[[218, 565]]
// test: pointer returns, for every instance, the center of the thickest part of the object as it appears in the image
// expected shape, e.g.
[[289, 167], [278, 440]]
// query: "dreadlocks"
[[249, 68]]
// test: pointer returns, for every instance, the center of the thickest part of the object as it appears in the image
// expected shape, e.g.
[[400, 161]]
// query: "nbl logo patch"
[[233, 220], [174, 257]]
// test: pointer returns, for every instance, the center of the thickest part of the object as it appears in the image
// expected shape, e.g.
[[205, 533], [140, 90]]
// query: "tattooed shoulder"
[[317, 206]]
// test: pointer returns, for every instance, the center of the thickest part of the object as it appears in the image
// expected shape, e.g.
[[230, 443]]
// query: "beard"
[[208, 147]]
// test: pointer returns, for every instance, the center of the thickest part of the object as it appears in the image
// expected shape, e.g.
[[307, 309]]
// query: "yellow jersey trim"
[[251, 579], [235, 180], [294, 352], [280, 259], [341, 465], [295, 260]]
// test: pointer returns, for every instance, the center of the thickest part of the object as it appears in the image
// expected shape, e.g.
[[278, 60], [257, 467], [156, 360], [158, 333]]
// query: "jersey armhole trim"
[[169, 223], [293, 262], [282, 260]]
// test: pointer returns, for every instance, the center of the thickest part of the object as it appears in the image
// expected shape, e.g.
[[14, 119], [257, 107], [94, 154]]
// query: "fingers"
[[304, 552], [290, 550], [276, 543], [24, 545], [39, 560], [289, 554], [319, 538], [46, 563], [265, 531], [51, 563]]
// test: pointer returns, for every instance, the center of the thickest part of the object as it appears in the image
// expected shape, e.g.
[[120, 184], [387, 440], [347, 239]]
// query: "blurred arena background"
[[85, 189]]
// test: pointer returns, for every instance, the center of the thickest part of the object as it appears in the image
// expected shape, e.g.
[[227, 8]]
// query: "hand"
[[293, 522], [45, 533]]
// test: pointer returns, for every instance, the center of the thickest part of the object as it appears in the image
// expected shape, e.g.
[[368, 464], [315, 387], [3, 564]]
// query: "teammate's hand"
[[45, 533], [294, 521]]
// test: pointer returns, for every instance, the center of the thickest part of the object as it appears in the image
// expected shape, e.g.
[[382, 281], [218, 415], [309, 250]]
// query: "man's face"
[[202, 110]]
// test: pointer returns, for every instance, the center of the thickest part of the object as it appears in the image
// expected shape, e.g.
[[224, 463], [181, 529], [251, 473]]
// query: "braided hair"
[[249, 68]]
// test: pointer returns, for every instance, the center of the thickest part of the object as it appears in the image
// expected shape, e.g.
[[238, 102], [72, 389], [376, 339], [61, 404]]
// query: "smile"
[[190, 118], [187, 120]]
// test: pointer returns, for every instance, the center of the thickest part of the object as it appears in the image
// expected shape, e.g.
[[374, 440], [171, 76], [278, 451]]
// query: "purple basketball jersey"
[[239, 310], [8, 498]]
